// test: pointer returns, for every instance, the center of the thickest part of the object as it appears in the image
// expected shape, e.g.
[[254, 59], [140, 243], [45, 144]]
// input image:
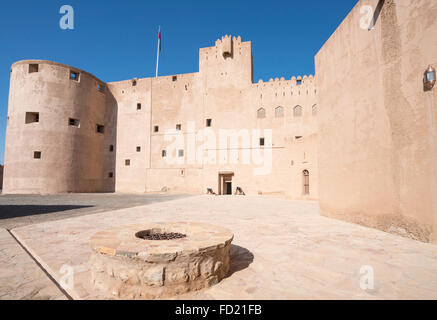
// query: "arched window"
[[261, 113], [306, 182], [279, 112], [314, 110], [297, 111]]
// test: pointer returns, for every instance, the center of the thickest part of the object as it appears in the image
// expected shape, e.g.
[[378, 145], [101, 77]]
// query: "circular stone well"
[[127, 266]]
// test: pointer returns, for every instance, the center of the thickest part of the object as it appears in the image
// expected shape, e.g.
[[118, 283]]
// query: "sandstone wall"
[[377, 153]]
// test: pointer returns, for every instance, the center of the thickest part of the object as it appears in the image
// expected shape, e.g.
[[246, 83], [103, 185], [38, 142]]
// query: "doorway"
[[225, 183], [306, 183], [228, 188]]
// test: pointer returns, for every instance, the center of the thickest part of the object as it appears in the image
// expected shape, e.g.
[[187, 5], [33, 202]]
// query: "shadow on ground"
[[14, 211], [241, 258]]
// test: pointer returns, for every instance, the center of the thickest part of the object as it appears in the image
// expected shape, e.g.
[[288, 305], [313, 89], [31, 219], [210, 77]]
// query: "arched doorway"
[[306, 182]]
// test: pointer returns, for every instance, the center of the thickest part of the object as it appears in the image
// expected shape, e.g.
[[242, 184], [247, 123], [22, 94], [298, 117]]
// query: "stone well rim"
[[121, 241]]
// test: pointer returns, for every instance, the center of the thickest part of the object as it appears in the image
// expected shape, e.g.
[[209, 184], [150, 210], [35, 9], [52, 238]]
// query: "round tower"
[[60, 133]]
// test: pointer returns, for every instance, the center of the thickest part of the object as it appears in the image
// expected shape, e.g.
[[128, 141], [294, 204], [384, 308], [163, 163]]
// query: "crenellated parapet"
[[228, 61], [226, 47], [307, 83], [226, 44]]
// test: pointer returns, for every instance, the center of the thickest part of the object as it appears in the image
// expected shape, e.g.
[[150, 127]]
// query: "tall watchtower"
[[228, 63]]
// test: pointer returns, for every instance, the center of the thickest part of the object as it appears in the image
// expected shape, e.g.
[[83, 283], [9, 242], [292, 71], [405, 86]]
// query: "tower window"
[[156, 129], [181, 153], [262, 141], [111, 175], [37, 155], [134, 83], [74, 75], [33, 68], [127, 162], [138, 106], [32, 117], [100, 129], [298, 82], [73, 122], [178, 127], [174, 78], [208, 122], [111, 148], [100, 87], [138, 149], [164, 153]]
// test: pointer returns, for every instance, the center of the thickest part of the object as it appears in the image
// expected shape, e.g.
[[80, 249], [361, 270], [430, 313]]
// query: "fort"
[[358, 136]]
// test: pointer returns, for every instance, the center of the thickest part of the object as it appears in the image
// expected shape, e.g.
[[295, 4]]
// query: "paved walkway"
[[20, 277], [282, 250]]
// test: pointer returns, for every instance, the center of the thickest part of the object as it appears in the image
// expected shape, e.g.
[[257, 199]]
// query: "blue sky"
[[116, 40]]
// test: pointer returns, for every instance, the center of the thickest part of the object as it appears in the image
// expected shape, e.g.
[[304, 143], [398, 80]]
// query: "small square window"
[[73, 122], [138, 106], [32, 117], [138, 149], [155, 129], [111, 175], [175, 78], [33, 68], [178, 127], [100, 87], [74, 75], [181, 153], [298, 137], [37, 155], [100, 129], [111, 148], [208, 122], [261, 141], [164, 153], [127, 162]]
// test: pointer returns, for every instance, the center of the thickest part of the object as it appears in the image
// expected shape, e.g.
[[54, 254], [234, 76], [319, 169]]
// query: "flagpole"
[[157, 56]]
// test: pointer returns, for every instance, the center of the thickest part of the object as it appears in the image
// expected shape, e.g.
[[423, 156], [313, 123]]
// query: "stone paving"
[[20, 277], [281, 250]]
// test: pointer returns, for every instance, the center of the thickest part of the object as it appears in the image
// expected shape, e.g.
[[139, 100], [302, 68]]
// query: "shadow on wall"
[[14, 211], [241, 258]]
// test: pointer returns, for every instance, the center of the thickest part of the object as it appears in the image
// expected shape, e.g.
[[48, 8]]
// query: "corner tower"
[[60, 131]]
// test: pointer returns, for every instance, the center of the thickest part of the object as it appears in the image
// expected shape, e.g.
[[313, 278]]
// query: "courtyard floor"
[[282, 250]]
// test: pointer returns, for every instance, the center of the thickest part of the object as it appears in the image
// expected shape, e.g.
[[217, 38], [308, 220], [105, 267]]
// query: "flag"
[[159, 39]]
